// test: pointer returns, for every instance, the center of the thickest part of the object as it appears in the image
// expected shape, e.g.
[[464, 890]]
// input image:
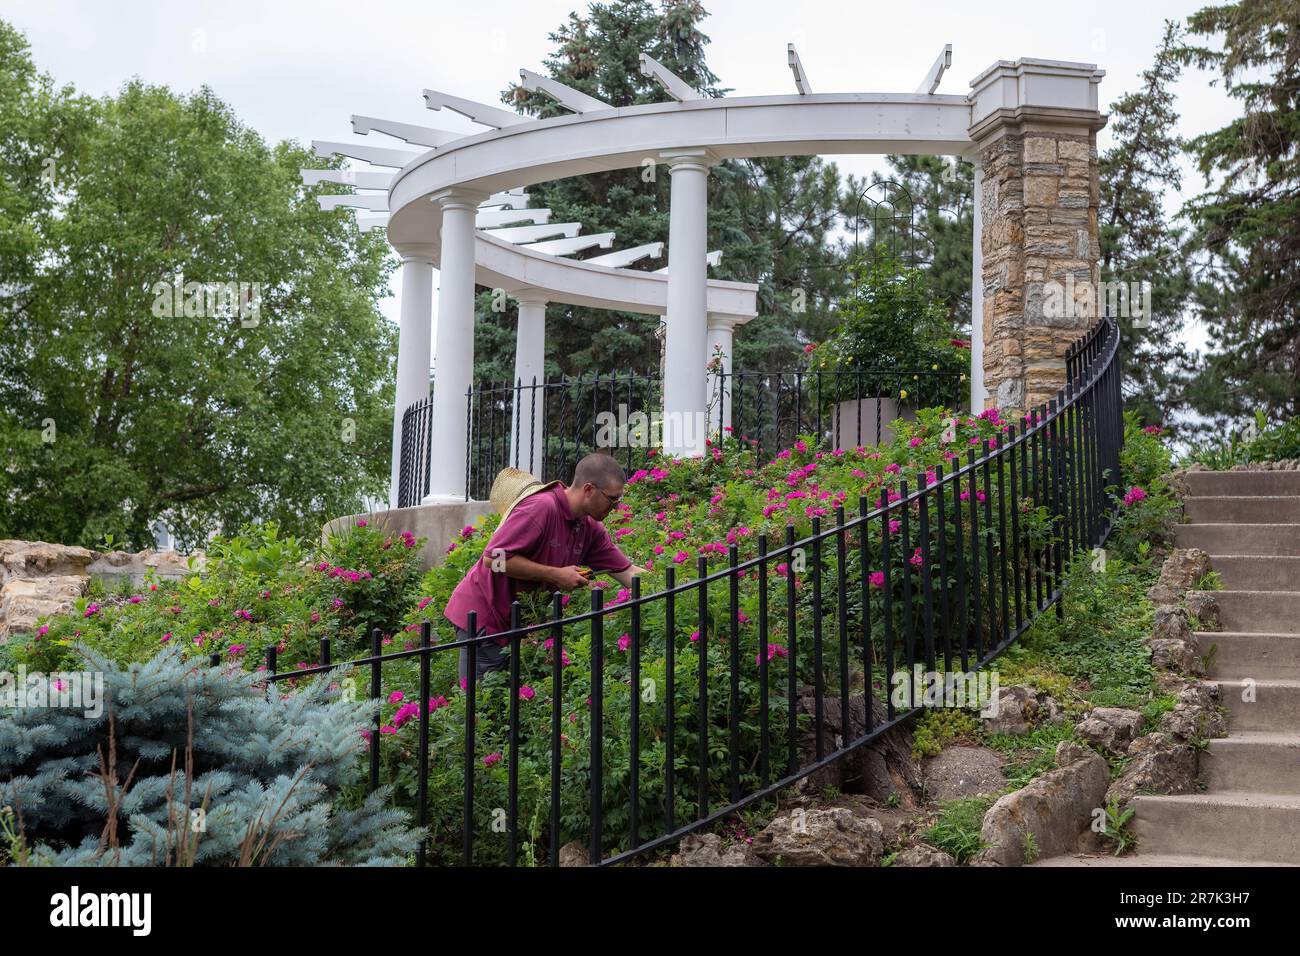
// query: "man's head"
[[597, 486]]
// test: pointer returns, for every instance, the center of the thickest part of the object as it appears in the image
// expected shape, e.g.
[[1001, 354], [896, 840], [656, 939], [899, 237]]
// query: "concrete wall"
[[439, 523]]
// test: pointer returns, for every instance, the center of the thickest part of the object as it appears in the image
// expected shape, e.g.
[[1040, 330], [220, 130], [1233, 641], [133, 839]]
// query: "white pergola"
[[459, 204]]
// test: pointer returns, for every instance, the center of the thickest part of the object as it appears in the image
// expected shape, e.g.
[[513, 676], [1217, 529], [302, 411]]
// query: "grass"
[[1098, 646], [957, 830]]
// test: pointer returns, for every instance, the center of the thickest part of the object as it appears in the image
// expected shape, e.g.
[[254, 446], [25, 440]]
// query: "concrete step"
[[1257, 572], [1272, 612], [1243, 483], [1240, 654], [1149, 859], [1257, 509], [1244, 825], [1252, 761], [1230, 538], [1275, 707]]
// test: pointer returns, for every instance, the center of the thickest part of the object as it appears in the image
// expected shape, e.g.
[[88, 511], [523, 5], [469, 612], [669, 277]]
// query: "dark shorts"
[[488, 656]]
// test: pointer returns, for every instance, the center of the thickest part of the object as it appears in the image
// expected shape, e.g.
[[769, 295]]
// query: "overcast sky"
[[299, 70]]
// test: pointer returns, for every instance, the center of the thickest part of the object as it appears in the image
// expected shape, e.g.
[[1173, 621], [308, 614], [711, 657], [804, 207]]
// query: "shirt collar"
[[565, 511]]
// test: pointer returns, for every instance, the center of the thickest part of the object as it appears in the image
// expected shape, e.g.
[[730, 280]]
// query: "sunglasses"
[[613, 499]]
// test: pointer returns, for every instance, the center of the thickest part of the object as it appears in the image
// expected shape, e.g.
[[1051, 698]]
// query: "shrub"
[[1258, 442], [257, 591], [193, 764], [890, 322]]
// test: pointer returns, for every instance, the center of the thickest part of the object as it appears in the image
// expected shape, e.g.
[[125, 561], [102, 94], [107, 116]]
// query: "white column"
[[413, 339], [530, 358], [720, 329], [686, 341], [453, 356], [978, 394]]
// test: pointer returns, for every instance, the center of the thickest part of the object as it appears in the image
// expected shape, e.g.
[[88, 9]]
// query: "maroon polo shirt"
[[543, 529]]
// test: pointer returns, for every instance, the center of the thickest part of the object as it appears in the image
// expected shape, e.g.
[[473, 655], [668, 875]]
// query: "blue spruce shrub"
[[265, 773]]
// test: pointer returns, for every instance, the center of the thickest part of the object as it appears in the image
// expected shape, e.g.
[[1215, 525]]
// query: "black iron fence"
[[545, 427], [945, 570]]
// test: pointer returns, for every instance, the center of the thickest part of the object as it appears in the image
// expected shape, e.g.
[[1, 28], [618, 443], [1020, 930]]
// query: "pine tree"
[[929, 226], [770, 217], [195, 765], [1250, 294], [1138, 242]]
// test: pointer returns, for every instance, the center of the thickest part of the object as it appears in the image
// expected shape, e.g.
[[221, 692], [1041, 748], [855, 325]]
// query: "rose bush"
[[257, 591]]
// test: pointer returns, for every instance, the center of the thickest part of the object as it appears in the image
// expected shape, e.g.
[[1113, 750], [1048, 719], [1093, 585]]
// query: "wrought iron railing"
[[545, 427], [945, 572]]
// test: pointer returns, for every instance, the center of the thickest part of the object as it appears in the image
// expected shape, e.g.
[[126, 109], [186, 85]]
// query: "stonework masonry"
[[1039, 198]]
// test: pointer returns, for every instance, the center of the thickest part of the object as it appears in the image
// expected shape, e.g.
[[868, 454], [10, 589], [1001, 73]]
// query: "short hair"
[[599, 469]]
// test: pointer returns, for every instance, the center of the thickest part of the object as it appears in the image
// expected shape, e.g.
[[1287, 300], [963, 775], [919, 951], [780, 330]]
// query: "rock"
[[1203, 609], [895, 822], [1170, 682], [1112, 728], [166, 565], [1172, 625], [573, 854], [880, 770], [922, 855], [1067, 752], [1020, 708], [1175, 655], [1054, 808], [1197, 714], [1181, 572], [30, 559], [706, 849], [24, 601], [958, 772], [814, 837], [1160, 765]]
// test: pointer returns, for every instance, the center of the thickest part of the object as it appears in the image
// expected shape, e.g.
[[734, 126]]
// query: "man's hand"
[[567, 579]]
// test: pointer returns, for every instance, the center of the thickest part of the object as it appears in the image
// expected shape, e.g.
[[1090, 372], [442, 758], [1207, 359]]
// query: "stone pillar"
[[720, 336], [1034, 126], [454, 345], [415, 334], [530, 359], [686, 341]]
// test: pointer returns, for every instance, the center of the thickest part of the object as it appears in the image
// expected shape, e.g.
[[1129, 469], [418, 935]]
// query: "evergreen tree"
[[1138, 242], [194, 765], [770, 217], [928, 224], [1250, 294]]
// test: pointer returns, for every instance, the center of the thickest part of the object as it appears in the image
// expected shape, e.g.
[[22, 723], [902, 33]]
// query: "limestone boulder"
[[1053, 809], [820, 837], [1111, 728]]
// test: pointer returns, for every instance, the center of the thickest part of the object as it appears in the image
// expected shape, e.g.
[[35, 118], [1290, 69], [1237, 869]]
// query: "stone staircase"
[[1249, 522]]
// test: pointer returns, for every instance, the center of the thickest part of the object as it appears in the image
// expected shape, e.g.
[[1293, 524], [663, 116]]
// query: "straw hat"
[[512, 486]]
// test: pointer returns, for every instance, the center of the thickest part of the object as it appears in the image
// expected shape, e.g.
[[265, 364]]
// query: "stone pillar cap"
[[1048, 90]]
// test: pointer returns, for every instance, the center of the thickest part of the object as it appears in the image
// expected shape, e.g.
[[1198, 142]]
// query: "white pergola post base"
[[413, 340], [686, 338], [530, 374], [454, 345]]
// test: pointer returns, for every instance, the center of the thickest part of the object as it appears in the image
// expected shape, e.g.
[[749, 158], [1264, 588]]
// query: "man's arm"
[[625, 576], [562, 579]]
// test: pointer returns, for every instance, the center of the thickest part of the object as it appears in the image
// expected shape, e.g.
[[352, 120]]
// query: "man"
[[547, 532]]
